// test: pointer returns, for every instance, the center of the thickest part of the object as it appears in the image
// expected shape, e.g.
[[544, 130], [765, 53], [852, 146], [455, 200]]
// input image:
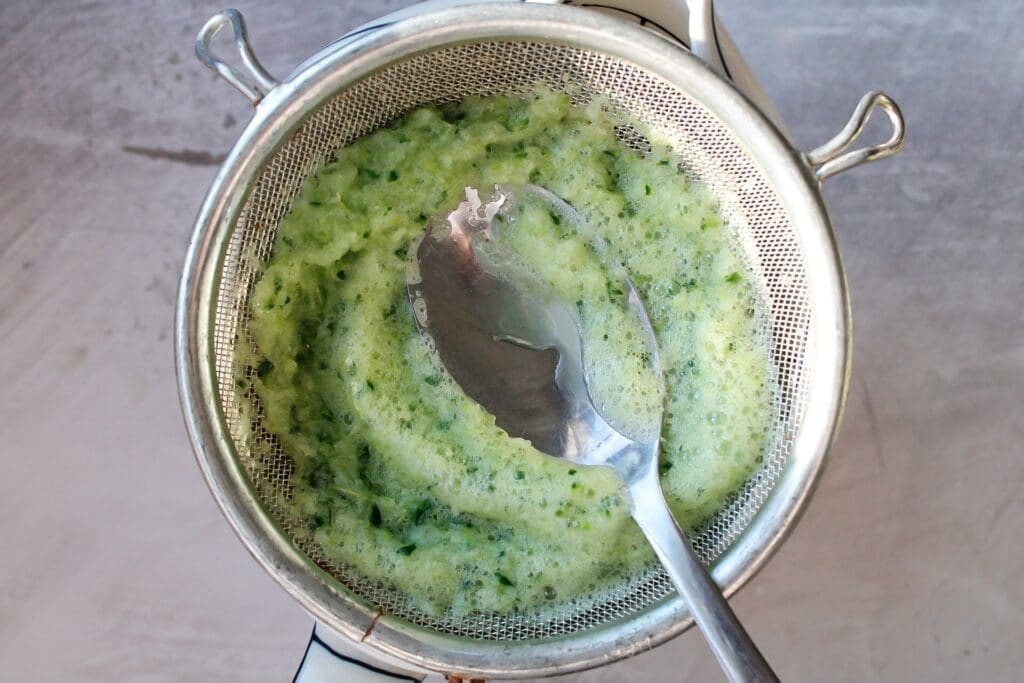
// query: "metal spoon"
[[517, 351]]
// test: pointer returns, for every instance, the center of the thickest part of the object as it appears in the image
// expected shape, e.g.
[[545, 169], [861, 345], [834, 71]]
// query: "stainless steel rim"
[[279, 113]]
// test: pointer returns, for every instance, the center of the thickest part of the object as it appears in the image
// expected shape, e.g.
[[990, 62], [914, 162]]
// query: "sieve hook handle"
[[829, 159], [258, 82]]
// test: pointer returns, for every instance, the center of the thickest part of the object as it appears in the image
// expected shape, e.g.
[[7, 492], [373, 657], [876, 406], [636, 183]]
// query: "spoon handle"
[[738, 656]]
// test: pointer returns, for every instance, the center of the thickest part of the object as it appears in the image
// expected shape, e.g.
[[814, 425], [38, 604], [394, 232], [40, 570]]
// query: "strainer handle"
[[330, 658], [828, 159], [735, 650], [259, 82]]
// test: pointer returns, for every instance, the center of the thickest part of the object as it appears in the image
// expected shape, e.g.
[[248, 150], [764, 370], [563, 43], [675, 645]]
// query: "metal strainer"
[[768, 192]]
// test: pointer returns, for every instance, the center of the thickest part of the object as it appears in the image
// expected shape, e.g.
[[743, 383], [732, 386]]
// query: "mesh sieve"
[[709, 151]]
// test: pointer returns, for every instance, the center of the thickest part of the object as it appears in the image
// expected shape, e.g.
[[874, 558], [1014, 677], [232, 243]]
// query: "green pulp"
[[399, 474]]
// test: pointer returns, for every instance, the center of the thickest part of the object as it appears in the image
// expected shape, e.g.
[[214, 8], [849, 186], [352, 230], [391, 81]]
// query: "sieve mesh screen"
[[709, 151]]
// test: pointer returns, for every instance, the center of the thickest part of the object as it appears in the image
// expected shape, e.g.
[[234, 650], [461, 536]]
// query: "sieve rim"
[[277, 117]]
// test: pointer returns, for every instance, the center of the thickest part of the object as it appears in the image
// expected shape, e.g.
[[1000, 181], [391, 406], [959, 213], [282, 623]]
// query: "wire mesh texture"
[[708, 151]]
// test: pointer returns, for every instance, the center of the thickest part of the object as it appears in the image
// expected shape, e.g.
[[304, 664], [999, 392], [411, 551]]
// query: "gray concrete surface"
[[114, 561]]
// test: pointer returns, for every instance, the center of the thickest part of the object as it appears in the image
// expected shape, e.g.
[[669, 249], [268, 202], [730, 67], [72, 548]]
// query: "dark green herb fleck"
[[264, 368], [319, 520], [421, 511], [376, 519], [407, 549], [320, 476], [503, 580], [678, 286], [732, 277]]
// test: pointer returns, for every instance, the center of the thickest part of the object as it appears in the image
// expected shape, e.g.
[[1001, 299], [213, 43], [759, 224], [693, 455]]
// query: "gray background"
[[115, 563]]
